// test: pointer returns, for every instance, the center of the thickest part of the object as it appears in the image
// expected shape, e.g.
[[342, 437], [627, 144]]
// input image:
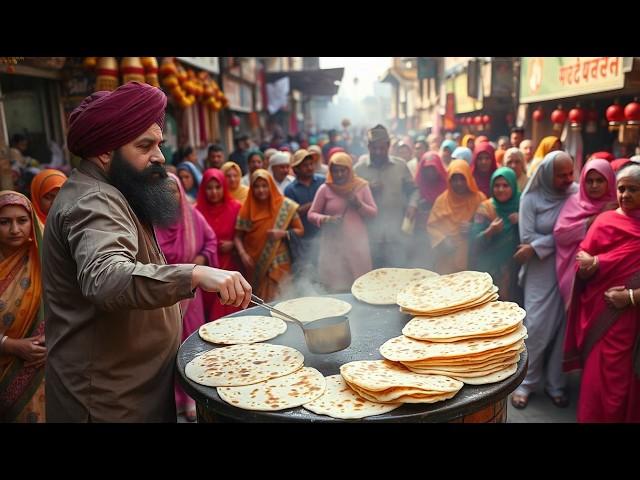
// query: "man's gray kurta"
[[113, 325]]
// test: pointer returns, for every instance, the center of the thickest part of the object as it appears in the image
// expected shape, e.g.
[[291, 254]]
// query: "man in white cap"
[[279, 169]]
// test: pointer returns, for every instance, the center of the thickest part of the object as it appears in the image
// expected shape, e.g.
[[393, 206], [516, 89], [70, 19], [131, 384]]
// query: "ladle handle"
[[258, 301]]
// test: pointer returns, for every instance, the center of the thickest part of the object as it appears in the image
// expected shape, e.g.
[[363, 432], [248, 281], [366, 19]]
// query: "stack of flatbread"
[[445, 294], [381, 286], [308, 309], [381, 381], [245, 329], [486, 352]]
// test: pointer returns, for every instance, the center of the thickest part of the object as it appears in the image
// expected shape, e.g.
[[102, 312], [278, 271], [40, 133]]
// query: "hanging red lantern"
[[486, 119], [576, 117], [235, 121], [559, 116], [632, 113], [477, 120], [615, 116], [538, 114], [466, 120]]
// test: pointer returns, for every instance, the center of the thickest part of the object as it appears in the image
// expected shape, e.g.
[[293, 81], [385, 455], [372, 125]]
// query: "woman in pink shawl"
[[431, 179], [483, 165], [340, 209], [597, 193], [220, 210], [190, 240]]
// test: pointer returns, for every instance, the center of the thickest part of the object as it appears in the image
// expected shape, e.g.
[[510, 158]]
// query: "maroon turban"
[[105, 121]]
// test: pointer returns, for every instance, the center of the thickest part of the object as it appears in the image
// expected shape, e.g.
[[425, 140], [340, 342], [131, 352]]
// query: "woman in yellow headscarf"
[[44, 188], [450, 219], [547, 145], [265, 222], [22, 350], [465, 141], [233, 174]]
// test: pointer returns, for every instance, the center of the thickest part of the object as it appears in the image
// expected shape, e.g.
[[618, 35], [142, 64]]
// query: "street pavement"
[[541, 410]]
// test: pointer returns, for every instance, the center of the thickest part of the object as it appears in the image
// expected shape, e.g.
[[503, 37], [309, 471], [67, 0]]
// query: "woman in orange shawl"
[[22, 350], [44, 188], [233, 174], [265, 222], [450, 219], [546, 145]]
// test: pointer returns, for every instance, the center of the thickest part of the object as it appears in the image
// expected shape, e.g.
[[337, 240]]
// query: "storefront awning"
[[325, 82]]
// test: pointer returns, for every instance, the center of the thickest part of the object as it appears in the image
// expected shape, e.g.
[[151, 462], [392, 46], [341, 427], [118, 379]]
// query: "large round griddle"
[[371, 326]]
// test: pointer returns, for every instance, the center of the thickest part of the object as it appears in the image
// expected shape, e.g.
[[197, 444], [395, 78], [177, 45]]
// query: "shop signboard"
[[549, 78]]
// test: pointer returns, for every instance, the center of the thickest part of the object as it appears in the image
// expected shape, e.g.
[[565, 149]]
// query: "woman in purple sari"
[[190, 240]]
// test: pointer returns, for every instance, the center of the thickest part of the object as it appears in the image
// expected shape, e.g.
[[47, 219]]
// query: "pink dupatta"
[[571, 228]]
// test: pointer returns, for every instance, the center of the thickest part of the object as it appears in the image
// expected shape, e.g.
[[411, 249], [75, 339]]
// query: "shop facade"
[[30, 105], [582, 100]]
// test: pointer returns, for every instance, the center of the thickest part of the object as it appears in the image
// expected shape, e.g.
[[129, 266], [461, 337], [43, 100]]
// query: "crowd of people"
[[164, 242]]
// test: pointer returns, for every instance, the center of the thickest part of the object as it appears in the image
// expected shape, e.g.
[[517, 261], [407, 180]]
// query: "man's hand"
[[513, 218], [524, 253], [232, 287]]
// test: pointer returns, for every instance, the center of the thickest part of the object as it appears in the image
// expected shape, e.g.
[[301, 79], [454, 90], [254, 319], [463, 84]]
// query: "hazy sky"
[[366, 69]]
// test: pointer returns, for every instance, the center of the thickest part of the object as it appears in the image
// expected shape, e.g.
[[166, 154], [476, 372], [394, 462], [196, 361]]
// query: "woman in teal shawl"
[[495, 237]]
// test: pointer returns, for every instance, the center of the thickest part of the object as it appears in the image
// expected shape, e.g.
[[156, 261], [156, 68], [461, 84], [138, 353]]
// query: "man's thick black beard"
[[150, 197]]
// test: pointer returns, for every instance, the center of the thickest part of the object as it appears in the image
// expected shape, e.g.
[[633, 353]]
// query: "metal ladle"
[[325, 335]]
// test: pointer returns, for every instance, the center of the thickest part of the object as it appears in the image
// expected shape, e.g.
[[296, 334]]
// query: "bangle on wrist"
[[4, 339], [633, 300]]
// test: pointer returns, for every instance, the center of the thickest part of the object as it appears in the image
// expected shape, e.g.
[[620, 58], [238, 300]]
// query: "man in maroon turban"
[[113, 321]]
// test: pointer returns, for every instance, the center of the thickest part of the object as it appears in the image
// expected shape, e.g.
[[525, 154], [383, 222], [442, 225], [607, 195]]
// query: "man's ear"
[[105, 159]]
